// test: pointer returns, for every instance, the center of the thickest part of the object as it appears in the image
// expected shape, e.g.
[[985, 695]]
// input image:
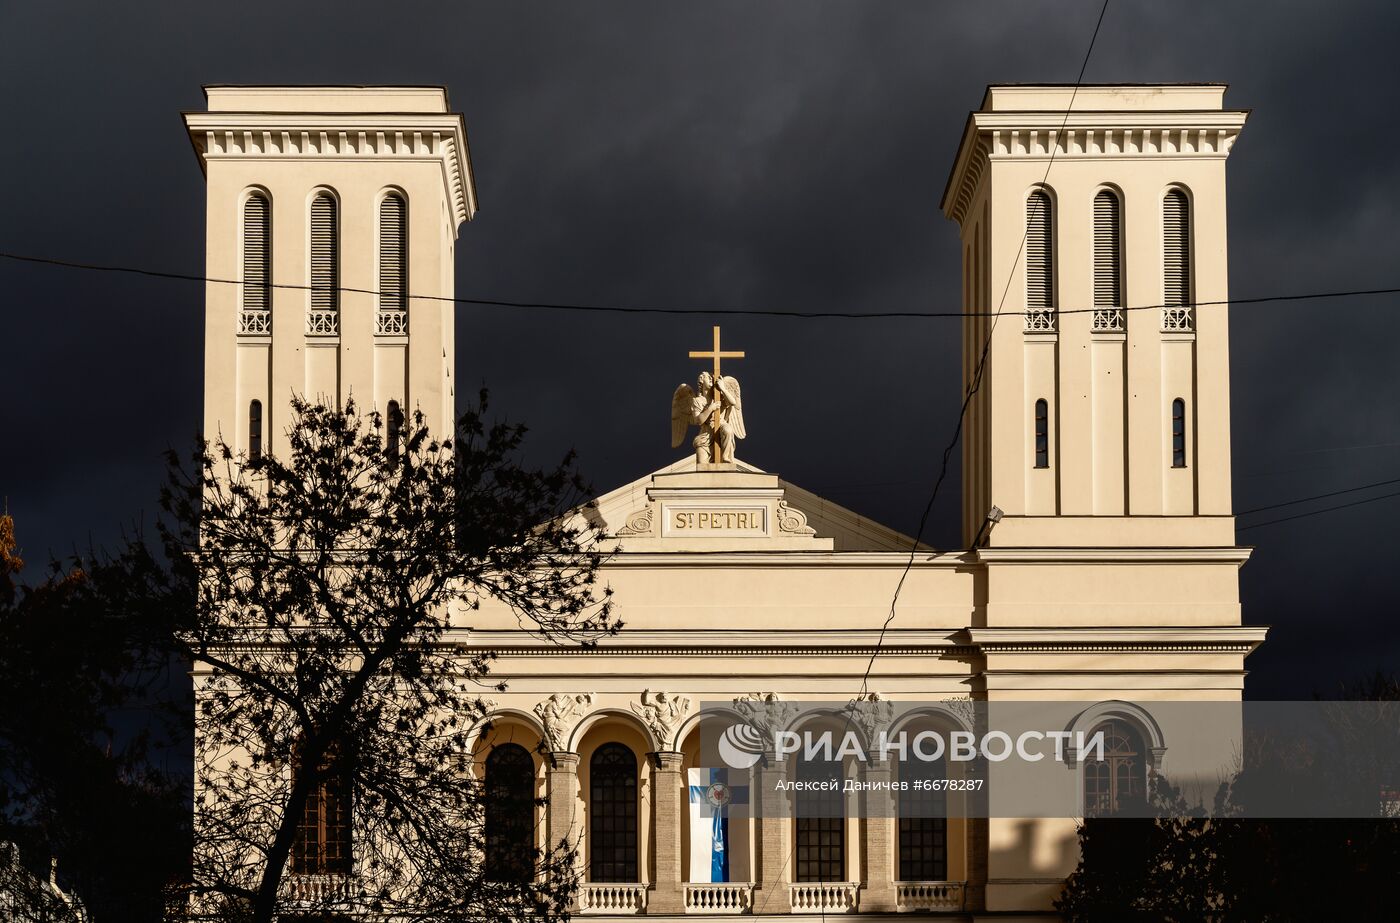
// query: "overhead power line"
[[1334, 493], [644, 309], [1326, 509]]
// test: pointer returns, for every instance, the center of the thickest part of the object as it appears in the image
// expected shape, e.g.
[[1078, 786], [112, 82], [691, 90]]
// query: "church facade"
[[1099, 566]]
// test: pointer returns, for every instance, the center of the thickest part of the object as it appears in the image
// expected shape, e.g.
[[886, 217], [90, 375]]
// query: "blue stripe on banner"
[[719, 837]]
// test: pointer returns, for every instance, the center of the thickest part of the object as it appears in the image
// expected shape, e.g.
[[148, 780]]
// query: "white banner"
[[719, 826]]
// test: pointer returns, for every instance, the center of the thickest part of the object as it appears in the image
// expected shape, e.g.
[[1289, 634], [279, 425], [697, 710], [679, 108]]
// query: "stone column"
[[774, 818], [562, 799], [880, 866], [668, 803]]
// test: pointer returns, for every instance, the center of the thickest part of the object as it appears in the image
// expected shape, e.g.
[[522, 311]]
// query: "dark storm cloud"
[[715, 154]]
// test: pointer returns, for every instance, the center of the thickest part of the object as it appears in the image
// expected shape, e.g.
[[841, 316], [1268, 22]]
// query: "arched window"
[[821, 823], [393, 266], [923, 822], [325, 266], [1040, 262], [255, 318], [1108, 262], [1178, 433], [322, 843], [510, 814], [1176, 262], [393, 422], [1042, 434], [612, 810], [255, 429], [1118, 781]]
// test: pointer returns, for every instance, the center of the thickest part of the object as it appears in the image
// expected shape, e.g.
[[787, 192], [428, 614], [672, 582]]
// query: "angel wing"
[[680, 413], [729, 388]]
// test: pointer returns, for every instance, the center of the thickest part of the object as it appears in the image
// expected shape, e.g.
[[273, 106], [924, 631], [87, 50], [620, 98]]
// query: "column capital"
[[564, 760], [667, 760], [771, 763]]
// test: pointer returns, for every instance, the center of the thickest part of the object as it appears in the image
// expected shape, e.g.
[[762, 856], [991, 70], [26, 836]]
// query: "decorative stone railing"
[[1108, 320], [322, 323], [824, 897], [1040, 320], [391, 323], [319, 888], [928, 895], [730, 897], [1177, 320], [594, 897], [254, 323]]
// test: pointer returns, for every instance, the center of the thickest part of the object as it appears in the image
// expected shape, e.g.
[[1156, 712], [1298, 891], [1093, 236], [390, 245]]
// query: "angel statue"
[[715, 407]]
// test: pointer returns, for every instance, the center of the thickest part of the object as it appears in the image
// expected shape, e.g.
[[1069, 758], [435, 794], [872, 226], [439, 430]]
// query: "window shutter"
[[1108, 251], [257, 254], [1176, 250], [1040, 273], [325, 262], [393, 255]]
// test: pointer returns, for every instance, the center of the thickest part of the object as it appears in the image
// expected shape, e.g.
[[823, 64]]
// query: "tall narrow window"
[[393, 423], [325, 267], [1042, 434], [392, 317], [322, 843], [821, 822], [1176, 262], [256, 314], [1178, 433], [1108, 262], [612, 809], [923, 822], [255, 429], [510, 814], [1040, 262], [1117, 782]]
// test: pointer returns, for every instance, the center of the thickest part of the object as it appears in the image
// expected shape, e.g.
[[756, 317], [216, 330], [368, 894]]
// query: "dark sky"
[[720, 154]]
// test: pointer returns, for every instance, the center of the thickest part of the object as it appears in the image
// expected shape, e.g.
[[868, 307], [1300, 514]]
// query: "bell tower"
[[1102, 417], [332, 213]]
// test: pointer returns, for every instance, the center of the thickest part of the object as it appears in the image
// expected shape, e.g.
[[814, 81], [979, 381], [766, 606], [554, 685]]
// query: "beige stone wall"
[[1110, 393], [357, 144]]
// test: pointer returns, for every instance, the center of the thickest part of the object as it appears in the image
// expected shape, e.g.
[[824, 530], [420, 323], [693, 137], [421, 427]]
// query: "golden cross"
[[716, 355]]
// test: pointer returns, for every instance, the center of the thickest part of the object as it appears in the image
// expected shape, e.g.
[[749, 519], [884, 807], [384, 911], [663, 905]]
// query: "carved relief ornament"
[[559, 713], [661, 712]]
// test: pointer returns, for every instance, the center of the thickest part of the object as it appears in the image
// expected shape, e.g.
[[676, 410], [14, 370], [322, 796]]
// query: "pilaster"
[[880, 866], [562, 796], [771, 892], [667, 896]]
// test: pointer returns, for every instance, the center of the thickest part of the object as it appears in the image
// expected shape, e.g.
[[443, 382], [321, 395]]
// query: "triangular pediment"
[[690, 507]]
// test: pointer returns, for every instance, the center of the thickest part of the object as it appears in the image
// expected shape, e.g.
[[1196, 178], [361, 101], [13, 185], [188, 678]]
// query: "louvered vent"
[[1176, 261], [257, 265], [1040, 262], [393, 255], [1108, 262], [325, 258]]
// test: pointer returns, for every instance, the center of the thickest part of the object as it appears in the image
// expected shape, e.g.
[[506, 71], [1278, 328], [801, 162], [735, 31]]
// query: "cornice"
[[786, 559], [799, 642], [1178, 639], [412, 136], [965, 643], [991, 136], [1187, 555]]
